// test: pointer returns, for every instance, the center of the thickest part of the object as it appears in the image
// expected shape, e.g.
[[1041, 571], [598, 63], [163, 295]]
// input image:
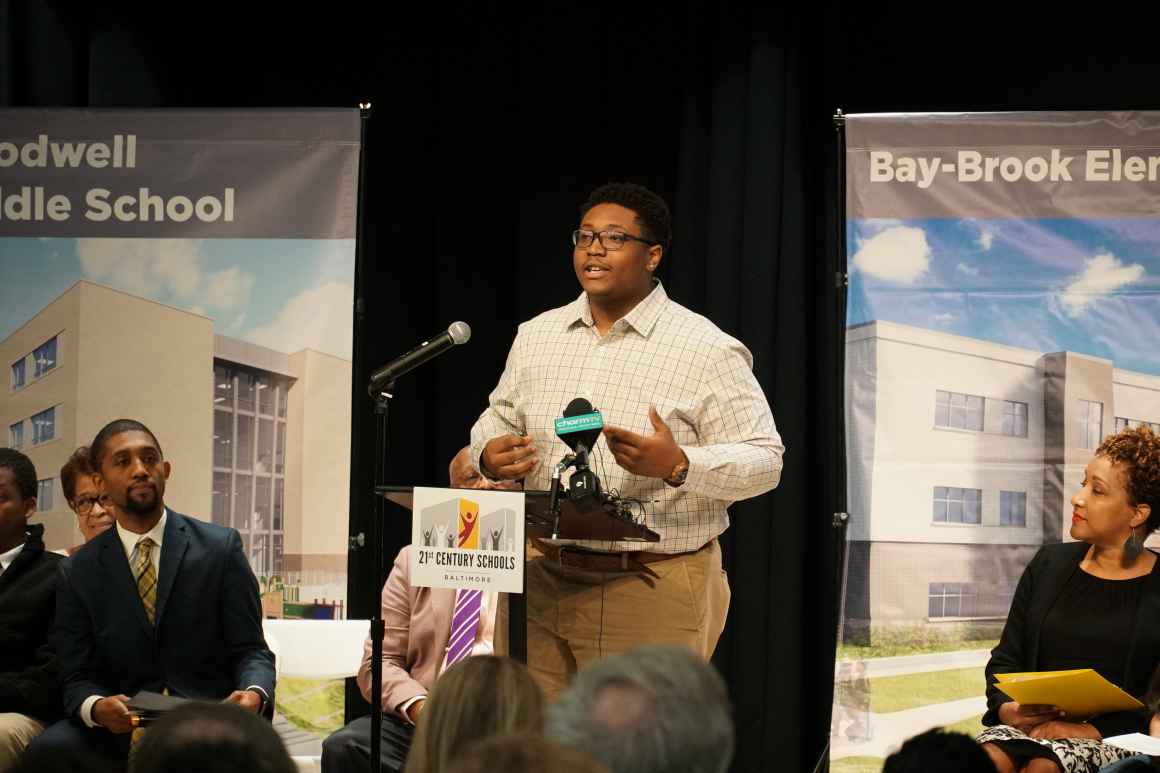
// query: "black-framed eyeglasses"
[[609, 240], [84, 505]]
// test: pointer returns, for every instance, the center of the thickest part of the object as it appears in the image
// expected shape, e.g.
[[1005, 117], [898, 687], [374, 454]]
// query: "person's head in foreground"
[[939, 750], [654, 709], [1119, 503], [477, 698], [209, 737], [93, 509], [524, 753]]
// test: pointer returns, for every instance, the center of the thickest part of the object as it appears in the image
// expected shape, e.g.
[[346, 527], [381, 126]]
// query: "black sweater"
[[1020, 648], [29, 676]]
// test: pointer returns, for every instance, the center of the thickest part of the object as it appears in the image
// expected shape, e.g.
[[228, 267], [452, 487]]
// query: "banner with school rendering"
[[1004, 301], [194, 270]]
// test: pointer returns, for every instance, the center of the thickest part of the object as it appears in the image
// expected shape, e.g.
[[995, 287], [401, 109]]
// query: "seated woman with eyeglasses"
[[1095, 604], [94, 512]]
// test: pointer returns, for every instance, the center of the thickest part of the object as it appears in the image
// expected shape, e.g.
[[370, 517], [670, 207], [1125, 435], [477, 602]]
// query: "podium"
[[603, 524]]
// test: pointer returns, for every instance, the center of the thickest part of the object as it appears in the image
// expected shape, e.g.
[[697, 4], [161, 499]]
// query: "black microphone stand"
[[378, 626]]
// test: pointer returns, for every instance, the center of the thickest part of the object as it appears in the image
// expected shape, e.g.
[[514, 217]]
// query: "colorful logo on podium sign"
[[457, 523]]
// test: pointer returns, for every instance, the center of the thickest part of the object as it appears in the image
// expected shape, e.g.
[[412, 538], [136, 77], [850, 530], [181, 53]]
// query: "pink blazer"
[[417, 624]]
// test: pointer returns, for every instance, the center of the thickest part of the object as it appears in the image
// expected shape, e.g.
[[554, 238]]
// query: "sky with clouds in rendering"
[[285, 294], [1087, 286]]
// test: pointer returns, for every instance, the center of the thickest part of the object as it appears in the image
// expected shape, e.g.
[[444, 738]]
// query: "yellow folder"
[[1079, 692]]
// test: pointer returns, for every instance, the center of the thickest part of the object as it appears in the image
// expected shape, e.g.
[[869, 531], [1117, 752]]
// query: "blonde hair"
[[524, 752], [475, 699]]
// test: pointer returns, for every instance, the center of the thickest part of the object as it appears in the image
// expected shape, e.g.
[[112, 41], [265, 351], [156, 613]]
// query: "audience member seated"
[[29, 693], [161, 602], [1095, 604], [524, 753], [654, 709], [415, 642], [939, 750], [93, 510], [211, 738], [475, 699]]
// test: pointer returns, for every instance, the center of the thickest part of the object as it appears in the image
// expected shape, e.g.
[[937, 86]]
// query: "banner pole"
[[372, 537], [841, 284], [839, 518]]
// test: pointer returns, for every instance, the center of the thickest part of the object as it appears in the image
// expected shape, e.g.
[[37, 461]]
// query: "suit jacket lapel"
[[173, 546], [118, 574], [442, 607]]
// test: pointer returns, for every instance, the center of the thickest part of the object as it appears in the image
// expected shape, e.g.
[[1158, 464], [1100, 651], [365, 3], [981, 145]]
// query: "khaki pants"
[[16, 732], [576, 616]]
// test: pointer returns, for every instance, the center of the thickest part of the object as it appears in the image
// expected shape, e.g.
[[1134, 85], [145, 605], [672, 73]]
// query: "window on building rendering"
[[1014, 420], [221, 498], [44, 426], [1012, 508], [249, 460], [223, 387], [952, 599], [44, 358], [958, 411], [16, 435], [1124, 423], [18, 374], [1089, 423], [44, 495], [957, 505]]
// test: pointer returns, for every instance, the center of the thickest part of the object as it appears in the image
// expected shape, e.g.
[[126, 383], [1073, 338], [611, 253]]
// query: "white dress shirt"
[[8, 556]]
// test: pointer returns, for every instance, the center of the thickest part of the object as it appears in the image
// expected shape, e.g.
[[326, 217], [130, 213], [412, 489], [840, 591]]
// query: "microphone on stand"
[[580, 428], [381, 379]]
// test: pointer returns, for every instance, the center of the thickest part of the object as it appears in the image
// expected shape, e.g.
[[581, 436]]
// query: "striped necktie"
[[146, 576], [464, 625]]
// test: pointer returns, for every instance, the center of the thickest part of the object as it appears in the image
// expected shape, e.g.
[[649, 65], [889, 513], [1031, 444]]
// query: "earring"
[[1133, 547]]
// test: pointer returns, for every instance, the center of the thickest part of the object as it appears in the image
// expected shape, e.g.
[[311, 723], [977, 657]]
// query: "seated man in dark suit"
[[160, 602], [29, 693]]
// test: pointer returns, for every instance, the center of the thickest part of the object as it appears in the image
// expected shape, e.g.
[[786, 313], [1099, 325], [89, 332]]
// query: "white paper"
[[1136, 742]]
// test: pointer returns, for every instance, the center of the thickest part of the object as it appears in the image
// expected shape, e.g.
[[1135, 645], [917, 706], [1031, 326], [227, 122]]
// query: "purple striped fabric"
[[464, 625]]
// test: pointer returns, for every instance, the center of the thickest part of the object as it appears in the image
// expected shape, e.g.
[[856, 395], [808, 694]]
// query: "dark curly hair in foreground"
[[1137, 450], [651, 211], [23, 472]]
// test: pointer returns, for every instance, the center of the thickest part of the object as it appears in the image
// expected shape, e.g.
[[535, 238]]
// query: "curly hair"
[[22, 470], [651, 211], [1138, 450]]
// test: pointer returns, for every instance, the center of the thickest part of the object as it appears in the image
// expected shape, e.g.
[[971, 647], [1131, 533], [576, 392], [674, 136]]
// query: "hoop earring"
[[1133, 547]]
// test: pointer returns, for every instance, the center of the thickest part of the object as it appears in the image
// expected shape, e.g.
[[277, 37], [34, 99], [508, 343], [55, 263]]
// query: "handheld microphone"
[[458, 333]]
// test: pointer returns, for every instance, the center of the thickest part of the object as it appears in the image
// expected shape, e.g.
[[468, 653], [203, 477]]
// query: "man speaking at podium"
[[686, 424]]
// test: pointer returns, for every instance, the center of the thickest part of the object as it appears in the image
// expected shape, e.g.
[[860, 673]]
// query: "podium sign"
[[468, 538]]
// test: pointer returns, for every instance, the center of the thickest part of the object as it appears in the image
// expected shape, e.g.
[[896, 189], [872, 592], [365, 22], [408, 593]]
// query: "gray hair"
[[656, 708]]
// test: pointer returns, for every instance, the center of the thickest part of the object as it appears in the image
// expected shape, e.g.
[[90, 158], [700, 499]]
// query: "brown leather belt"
[[594, 561]]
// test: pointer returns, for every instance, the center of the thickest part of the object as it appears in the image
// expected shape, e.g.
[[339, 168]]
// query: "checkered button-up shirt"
[[701, 382]]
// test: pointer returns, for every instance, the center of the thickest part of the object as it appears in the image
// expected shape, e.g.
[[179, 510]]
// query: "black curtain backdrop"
[[490, 124]]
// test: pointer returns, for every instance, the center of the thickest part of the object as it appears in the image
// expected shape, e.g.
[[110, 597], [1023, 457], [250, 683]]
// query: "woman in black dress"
[[1094, 603]]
